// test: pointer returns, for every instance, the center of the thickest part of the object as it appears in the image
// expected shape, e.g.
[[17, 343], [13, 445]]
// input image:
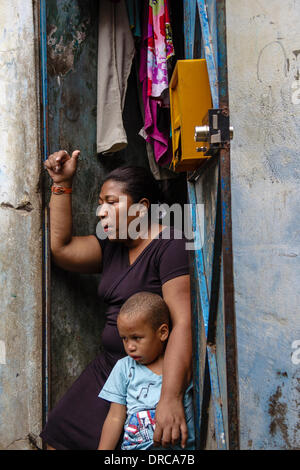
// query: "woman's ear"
[[145, 202], [163, 332]]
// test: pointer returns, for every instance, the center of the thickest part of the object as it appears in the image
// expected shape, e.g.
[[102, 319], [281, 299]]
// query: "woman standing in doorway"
[[148, 262]]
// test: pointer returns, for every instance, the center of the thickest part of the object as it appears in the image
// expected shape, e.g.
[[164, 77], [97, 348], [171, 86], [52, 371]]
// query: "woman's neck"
[[144, 238]]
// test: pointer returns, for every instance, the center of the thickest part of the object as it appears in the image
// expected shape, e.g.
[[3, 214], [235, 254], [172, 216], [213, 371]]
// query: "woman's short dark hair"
[[138, 183]]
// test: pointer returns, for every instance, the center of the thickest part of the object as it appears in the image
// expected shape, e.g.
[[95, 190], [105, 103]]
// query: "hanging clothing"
[[156, 48], [115, 55], [159, 172], [134, 8], [160, 47]]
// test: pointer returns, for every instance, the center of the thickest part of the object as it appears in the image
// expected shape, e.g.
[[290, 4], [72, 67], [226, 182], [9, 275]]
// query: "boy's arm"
[[112, 427]]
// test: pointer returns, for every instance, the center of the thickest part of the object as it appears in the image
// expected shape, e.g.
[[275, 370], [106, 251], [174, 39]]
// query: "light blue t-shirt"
[[138, 388]]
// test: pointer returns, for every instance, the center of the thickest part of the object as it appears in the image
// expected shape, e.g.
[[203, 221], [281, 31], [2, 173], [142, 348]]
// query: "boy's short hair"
[[151, 305]]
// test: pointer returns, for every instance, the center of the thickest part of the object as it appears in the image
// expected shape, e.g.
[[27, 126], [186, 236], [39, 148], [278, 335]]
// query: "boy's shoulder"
[[129, 367], [126, 362]]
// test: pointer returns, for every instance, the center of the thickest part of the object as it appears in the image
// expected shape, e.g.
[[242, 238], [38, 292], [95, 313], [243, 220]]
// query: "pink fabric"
[[160, 47], [161, 140]]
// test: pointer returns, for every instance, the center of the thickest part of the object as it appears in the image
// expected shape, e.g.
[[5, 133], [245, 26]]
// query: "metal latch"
[[215, 130]]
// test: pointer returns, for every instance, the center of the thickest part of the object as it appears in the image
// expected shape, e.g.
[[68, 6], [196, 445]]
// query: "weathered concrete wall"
[[263, 52], [20, 230]]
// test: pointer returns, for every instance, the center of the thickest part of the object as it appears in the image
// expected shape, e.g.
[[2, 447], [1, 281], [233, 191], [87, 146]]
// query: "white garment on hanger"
[[115, 55]]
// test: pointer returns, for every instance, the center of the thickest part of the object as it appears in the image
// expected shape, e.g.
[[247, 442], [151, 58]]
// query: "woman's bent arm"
[[77, 254], [170, 418]]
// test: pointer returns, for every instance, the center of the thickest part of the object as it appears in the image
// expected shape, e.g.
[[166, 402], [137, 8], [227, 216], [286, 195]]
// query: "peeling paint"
[[23, 206], [62, 53], [277, 411]]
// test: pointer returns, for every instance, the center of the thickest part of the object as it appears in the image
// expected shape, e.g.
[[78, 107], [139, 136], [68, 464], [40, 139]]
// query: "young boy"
[[134, 385]]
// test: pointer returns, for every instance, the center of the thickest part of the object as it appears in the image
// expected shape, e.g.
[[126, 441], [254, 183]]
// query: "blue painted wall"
[[263, 65]]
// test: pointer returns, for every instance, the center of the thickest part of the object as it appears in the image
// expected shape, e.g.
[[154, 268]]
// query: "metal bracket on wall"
[[215, 130]]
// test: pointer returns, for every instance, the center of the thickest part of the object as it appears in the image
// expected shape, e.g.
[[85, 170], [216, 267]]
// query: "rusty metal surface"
[[46, 317], [208, 193], [212, 185], [227, 254]]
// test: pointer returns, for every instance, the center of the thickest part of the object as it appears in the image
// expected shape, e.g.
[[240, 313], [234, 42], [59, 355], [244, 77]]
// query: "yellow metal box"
[[190, 99]]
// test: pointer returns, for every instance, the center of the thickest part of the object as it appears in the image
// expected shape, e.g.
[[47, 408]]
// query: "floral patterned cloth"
[[156, 49], [160, 47]]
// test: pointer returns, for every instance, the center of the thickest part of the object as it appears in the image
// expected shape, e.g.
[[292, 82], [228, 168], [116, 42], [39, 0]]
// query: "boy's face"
[[141, 341]]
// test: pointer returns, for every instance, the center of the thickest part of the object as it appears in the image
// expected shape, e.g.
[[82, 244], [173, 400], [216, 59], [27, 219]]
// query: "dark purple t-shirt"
[[76, 421], [161, 260]]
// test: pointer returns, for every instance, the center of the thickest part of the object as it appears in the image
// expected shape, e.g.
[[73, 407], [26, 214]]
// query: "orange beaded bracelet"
[[60, 190]]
